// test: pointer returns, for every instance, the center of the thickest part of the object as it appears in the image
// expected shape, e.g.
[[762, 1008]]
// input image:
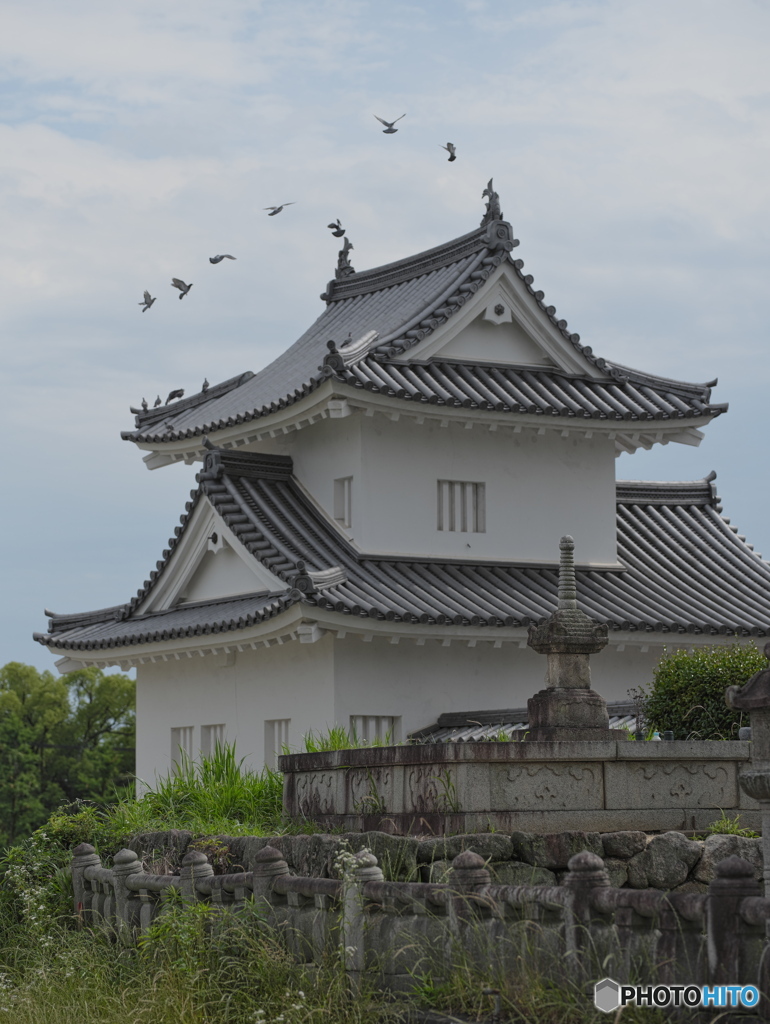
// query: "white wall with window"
[[382, 728]]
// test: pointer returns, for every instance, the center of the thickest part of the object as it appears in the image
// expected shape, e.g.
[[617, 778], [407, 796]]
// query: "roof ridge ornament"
[[493, 211], [344, 266]]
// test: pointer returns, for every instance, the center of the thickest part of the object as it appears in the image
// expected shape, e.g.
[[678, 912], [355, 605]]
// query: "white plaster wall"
[[538, 487], [222, 574], [421, 683], [242, 691]]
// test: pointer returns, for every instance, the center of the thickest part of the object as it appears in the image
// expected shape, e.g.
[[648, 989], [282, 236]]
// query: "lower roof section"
[[685, 571]]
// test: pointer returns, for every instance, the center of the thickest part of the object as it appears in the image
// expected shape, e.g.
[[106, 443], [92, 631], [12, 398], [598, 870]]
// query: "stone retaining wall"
[[669, 861], [536, 786]]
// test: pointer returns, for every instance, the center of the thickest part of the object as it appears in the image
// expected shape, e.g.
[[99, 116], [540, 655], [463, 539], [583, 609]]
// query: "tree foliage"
[[62, 739], [688, 691]]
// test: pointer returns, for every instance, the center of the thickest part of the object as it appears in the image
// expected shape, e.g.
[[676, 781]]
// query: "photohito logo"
[[610, 994]]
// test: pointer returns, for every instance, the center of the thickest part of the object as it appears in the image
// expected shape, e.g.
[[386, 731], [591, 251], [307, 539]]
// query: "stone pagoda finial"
[[568, 709], [567, 583]]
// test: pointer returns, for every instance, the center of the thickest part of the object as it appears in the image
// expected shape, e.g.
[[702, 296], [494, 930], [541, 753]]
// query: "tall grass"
[[339, 738]]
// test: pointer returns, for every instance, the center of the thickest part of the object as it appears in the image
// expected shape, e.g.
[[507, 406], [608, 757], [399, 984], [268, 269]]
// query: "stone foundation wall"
[[634, 860], [534, 786]]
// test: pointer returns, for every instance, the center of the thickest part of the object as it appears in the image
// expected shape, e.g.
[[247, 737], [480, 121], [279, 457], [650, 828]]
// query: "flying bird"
[[157, 402], [178, 393], [389, 129], [452, 150], [277, 209], [218, 259], [337, 229], [148, 301], [183, 288]]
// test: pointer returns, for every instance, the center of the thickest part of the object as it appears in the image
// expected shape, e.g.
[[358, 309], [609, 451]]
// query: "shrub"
[[688, 691]]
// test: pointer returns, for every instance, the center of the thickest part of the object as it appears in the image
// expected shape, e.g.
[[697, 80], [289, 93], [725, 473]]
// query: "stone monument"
[[568, 709]]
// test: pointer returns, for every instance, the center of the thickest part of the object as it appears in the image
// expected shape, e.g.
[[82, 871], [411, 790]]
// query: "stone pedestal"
[[568, 709]]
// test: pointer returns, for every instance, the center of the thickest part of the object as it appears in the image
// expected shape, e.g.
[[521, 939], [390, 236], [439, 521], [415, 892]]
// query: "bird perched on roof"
[[144, 404], [178, 393], [389, 129], [337, 229], [218, 259], [147, 301], [452, 150], [205, 385], [277, 209], [183, 288], [157, 402]]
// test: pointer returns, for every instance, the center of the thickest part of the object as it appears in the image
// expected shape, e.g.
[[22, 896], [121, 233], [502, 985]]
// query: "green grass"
[[338, 738]]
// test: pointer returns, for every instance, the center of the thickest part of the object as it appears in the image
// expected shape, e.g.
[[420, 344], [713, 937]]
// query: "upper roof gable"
[[436, 304]]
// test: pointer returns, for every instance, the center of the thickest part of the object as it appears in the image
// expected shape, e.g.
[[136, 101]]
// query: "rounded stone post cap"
[[734, 867], [367, 868], [83, 850], [270, 861], [586, 869], [123, 857], [195, 864], [468, 868]]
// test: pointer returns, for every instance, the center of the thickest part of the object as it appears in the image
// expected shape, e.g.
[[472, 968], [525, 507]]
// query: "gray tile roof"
[[686, 571], [477, 726], [402, 303]]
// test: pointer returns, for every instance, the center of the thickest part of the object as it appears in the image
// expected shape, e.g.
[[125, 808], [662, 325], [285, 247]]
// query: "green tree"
[[61, 739], [688, 691]]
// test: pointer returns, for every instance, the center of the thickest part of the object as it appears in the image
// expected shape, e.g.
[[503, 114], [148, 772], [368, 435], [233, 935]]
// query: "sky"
[[629, 143]]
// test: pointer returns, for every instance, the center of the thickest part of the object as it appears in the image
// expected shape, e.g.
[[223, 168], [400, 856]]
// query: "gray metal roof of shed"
[[686, 571], [480, 726], [404, 302]]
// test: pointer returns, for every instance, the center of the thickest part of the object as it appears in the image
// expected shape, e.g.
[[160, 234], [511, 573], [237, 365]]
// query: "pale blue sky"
[[629, 143]]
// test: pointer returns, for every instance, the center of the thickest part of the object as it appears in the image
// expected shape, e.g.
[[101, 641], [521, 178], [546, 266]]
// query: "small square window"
[[462, 507]]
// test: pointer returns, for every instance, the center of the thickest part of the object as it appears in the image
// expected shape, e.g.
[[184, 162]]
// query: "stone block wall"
[[669, 861]]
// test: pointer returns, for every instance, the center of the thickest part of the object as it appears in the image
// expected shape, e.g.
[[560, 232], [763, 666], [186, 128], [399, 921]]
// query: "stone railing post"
[[83, 856], [725, 931], [195, 865], [353, 938], [468, 874], [127, 906], [585, 935], [268, 865]]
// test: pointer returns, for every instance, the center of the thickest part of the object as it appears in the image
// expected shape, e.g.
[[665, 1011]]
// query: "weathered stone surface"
[[162, 851], [436, 871], [548, 786], [665, 863], [617, 869], [623, 844], [670, 783], [489, 845], [554, 850], [691, 886], [716, 848], [517, 872]]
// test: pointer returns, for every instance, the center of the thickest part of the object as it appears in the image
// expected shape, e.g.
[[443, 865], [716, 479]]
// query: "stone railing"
[[584, 928]]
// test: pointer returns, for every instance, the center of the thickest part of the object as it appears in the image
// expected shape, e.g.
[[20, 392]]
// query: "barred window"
[[461, 507], [211, 735], [276, 738], [385, 728], [181, 745]]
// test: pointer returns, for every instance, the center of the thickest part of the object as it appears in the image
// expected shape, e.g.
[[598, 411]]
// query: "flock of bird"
[[336, 229]]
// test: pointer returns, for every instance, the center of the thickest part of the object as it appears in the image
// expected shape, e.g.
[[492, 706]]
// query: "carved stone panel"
[[671, 784], [370, 790], [548, 787], [316, 793]]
